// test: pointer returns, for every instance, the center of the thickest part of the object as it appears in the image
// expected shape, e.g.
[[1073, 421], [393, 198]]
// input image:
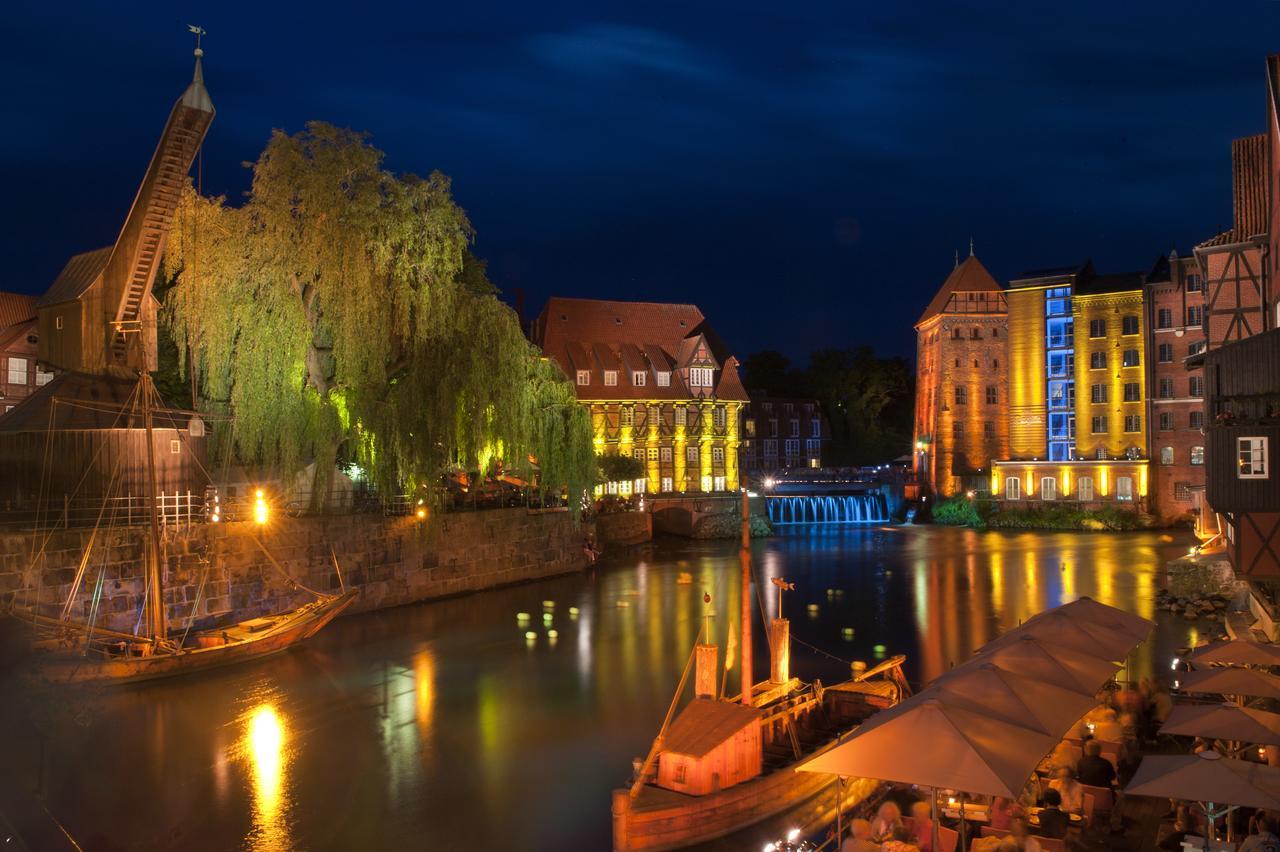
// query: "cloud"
[[618, 49]]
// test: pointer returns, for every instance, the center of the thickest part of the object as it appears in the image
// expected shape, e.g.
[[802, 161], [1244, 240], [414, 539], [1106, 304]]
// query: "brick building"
[[660, 384], [20, 372], [1175, 393], [781, 433], [961, 381]]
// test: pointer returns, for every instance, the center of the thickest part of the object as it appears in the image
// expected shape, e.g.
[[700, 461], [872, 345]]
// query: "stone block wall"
[[218, 573]]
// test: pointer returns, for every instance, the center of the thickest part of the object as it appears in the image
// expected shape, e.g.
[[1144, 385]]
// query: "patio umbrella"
[[927, 742], [1006, 695], [1059, 629], [1087, 609], [1029, 656], [1246, 683], [1224, 722], [1239, 652], [1219, 784]]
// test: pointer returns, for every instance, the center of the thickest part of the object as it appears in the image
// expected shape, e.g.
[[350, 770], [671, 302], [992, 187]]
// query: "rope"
[[285, 573]]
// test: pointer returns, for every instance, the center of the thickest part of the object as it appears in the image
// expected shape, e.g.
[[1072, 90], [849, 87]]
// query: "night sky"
[[804, 172]]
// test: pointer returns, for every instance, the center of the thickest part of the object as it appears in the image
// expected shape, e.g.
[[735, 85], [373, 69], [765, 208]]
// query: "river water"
[[441, 726]]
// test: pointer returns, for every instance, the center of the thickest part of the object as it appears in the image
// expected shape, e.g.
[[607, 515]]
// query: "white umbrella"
[[1059, 629], [1004, 694], [1029, 656], [1224, 722], [1086, 609], [1239, 652], [1246, 683]]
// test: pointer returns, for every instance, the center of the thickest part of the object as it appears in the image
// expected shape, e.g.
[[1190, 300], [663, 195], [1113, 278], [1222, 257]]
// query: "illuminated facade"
[[781, 433], [962, 384], [1077, 389], [20, 372], [660, 385]]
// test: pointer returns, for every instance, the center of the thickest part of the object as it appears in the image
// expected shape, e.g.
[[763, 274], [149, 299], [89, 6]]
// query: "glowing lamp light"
[[793, 834], [260, 508], [1262, 753], [1090, 727], [216, 517], [1174, 664]]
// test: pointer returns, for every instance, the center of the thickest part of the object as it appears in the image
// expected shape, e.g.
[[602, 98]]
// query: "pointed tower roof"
[[969, 277], [197, 96]]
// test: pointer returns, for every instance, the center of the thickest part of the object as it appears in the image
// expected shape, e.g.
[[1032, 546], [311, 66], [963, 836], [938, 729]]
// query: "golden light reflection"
[[424, 682], [264, 744]]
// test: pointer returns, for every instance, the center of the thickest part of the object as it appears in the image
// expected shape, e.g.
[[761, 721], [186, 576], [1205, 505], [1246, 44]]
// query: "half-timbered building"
[[660, 384]]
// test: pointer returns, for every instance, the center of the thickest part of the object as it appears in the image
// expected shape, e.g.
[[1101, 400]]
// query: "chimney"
[[706, 664], [780, 651]]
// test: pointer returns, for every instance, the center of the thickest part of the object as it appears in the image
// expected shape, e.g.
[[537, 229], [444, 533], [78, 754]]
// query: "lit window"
[[701, 377], [1048, 488], [664, 379], [1251, 455], [17, 371], [1012, 488], [691, 453], [1124, 488], [719, 483], [1197, 455], [667, 485], [717, 455], [610, 378], [1133, 423], [584, 377], [1131, 357], [1085, 486], [681, 415], [719, 416], [1166, 455], [57, 323], [638, 378], [626, 417], [1101, 454], [664, 454]]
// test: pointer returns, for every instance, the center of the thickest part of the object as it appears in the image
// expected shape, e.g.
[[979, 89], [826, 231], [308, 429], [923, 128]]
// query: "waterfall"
[[828, 509]]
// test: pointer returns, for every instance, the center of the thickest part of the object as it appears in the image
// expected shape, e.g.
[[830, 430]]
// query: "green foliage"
[[960, 512], [1067, 518], [339, 313], [729, 525], [616, 468]]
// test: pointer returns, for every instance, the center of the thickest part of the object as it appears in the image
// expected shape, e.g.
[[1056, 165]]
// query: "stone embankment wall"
[[624, 528], [223, 574]]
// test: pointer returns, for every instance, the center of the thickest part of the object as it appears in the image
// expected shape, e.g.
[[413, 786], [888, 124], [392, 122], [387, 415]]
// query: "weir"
[[828, 509]]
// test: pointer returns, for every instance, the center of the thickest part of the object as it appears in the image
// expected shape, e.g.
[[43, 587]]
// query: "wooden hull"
[[658, 819], [236, 644]]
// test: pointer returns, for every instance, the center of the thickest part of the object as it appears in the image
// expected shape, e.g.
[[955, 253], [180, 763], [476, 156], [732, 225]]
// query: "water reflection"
[[264, 746]]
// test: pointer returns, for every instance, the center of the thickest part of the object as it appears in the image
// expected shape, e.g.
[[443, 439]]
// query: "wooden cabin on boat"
[[711, 746]]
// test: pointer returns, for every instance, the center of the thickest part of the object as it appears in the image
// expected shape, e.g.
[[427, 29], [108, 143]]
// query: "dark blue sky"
[[802, 171]]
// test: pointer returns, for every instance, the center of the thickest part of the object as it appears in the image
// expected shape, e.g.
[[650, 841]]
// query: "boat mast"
[[154, 580], [745, 556]]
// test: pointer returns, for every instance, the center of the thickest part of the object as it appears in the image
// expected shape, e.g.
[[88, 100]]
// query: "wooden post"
[[745, 556], [704, 670], [780, 651]]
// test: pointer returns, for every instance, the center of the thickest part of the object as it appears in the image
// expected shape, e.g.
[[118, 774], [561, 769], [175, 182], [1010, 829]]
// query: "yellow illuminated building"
[[660, 385], [1077, 389]]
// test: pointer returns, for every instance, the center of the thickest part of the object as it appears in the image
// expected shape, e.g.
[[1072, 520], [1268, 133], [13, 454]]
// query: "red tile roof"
[[16, 308], [1248, 191], [968, 277], [629, 338]]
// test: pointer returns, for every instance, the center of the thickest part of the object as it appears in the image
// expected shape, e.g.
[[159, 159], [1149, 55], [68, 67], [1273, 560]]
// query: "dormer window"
[[610, 378], [584, 378], [638, 378], [664, 379], [701, 377]]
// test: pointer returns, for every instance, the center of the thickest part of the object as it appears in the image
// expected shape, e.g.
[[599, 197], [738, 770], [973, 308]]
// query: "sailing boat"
[[724, 764], [72, 652]]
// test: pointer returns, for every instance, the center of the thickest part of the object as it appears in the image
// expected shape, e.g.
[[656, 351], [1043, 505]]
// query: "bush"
[[729, 525], [1068, 518], [959, 512]]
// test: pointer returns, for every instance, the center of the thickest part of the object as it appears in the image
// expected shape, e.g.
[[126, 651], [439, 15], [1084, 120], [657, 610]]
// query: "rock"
[[1190, 615]]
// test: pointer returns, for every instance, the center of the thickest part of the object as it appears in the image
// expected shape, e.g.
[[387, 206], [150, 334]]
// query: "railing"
[[175, 509]]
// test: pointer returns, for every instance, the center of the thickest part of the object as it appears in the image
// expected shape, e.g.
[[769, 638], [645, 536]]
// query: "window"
[[995, 332], [701, 377], [995, 363], [957, 362], [610, 378], [1196, 385], [1182, 492], [719, 416], [57, 323], [1195, 316], [750, 426], [1194, 284], [957, 429], [717, 455], [1197, 455], [17, 371], [976, 363], [975, 333], [682, 415], [1132, 392], [1085, 487], [638, 378], [988, 429], [1101, 453], [1165, 355], [993, 394], [626, 416], [815, 428], [962, 395], [792, 447], [1098, 393], [1133, 423], [667, 485], [719, 483], [664, 454], [1048, 488], [795, 427], [1165, 390], [653, 454], [1124, 488], [1166, 421], [1098, 425], [1251, 455], [1196, 420], [1195, 347], [1012, 488], [771, 448], [1164, 318], [1097, 360], [1166, 455], [1098, 328], [691, 451], [955, 334], [42, 378], [813, 445], [1131, 357], [175, 447], [1129, 324], [664, 379]]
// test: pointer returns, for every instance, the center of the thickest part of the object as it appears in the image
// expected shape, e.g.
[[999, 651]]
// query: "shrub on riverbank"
[[964, 512], [960, 512], [729, 525]]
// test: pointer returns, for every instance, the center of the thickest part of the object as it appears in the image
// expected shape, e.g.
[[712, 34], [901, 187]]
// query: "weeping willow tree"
[[338, 313]]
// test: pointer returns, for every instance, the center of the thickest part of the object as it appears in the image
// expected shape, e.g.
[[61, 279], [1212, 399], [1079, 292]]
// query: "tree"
[[339, 312], [770, 371], [618, 468], [866, 400]]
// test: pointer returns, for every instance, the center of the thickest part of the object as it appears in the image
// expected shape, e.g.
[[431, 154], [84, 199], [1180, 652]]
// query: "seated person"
[[1094, 769], [899, 841], [1173, 840], [1053, 820], [1003, 812], [1064, 754], [887, 818], [921, 826], [859, 839], [1108, 727], [1069, 789], [1020, 834], [1265, 840]]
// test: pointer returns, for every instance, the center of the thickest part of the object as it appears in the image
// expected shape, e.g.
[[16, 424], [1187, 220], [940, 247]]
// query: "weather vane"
[[199, 32]]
